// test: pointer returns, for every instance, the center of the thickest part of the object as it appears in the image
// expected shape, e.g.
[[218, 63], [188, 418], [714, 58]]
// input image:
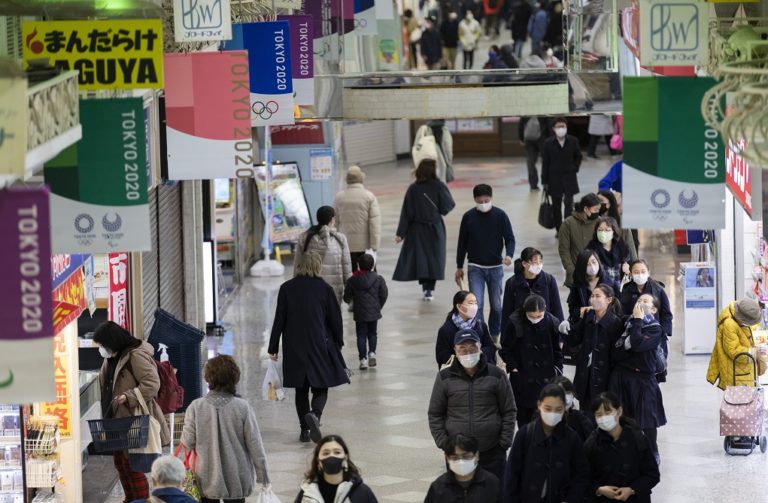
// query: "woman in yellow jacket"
[[734, 336]]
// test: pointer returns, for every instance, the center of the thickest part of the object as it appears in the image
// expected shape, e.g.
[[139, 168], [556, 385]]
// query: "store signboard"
[[72, 291], [302, 60], [674, 166], [269, 60], [61, 406], [290, 213], [65, 265], [302, 133], [207, 111], [26, 359], [201, 20], [13, 125], [98, 186], [674, 32], [118, 310], [743, 180], [109, 54]]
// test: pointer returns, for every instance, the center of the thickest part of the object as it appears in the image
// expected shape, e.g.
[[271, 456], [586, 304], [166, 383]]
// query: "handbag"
[[191, 484], [141, 459], [546, 212]]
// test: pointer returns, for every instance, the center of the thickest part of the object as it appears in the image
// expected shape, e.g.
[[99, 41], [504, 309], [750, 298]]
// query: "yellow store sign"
[[110, 54]]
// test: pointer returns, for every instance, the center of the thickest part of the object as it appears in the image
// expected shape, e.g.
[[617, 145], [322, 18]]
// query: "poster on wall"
[[98, 186], [13, 125], [290, 215], [302, 61], [674, 165], [321, 163], [674, 32], [26, 356], [201, 20], [207, 110], [269, 59], [109, 54]]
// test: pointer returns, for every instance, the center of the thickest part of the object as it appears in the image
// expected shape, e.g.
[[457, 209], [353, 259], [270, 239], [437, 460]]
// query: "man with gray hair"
[[358, 216], [167, 479]]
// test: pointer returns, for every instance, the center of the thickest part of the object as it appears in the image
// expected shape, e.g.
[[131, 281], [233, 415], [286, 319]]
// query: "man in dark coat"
[[431, 45], [464, 482], [449, 30], [533, 141], [560, 163], [474, 398], [308, 318], [518, 288]]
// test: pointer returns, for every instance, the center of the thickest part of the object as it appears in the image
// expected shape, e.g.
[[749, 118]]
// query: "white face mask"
[[640, 279], [569, 400], [607, 423], [561, 132], [550, 52], [605, 236], [535, 268], [534, 320], [105, 353], [592, 270], [484, 207], [470, 311], [552, 418], [462, 467], [470, 361]]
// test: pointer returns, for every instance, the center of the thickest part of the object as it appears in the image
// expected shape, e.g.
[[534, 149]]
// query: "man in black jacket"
[[449, 30], [532, 132], [560, 163], [474, 398], [431, 44], [464, 481]]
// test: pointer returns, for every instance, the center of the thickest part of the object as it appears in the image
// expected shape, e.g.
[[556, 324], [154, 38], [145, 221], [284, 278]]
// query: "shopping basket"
[[119, 434]]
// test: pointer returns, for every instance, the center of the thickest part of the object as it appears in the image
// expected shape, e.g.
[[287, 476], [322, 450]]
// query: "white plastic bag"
[[266, 495], [272, 388]]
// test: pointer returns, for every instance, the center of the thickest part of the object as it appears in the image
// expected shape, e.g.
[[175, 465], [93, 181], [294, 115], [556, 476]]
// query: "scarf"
[[461, 323]]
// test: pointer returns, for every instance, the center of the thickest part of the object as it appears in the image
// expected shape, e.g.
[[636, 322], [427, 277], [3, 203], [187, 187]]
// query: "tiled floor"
[[382, 413]]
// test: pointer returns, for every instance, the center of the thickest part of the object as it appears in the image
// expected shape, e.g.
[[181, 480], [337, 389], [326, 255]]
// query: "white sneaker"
[[364, 364], [372, 359]]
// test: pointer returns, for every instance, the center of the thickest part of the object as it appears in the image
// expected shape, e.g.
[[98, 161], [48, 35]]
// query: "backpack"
[[532, 130], [170, 397]]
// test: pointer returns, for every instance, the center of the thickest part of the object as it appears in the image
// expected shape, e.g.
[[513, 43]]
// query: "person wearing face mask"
[[576, 419], [473, 397], [530, 347], [546, 463], [449, 30], [593, 336], [128, 368], [560, 163], [465, 481], [636, 356], [333, 477], [463, 316], [469, 34], [613, 251], [484, 232], [529, 278], [576, 232], [609, 207], [622, 466]]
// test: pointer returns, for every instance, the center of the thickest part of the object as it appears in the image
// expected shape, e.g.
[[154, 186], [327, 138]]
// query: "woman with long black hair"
[[463, 316], [530, 278], [611, 249]]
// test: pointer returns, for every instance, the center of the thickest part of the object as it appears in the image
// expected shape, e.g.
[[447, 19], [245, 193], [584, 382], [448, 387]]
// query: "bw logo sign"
[[201, 14], [673, 32], [200, 20], [674, 27]]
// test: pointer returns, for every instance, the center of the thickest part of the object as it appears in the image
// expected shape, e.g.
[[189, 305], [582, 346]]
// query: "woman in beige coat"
[[332, 246], [129, 365]]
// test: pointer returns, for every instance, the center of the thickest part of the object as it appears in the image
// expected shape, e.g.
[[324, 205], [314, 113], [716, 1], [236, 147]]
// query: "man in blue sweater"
[[484, 232]]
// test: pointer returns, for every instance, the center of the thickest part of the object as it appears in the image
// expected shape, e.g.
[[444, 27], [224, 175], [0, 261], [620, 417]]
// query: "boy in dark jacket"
[[465, 481], [368, 293]]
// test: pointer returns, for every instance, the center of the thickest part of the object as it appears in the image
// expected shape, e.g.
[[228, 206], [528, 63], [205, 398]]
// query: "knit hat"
[[355, 174], [748, 312]]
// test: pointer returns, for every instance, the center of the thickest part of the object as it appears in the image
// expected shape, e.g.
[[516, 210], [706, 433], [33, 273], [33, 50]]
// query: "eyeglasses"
[[467, 456]]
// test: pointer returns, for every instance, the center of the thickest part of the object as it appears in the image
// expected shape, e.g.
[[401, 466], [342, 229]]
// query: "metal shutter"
[[10, 36], [149, 288], [170, 250], [369, 142], [245, 202]]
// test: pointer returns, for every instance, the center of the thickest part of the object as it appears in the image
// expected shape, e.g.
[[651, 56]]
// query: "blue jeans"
[[366, 336], [493, 277]]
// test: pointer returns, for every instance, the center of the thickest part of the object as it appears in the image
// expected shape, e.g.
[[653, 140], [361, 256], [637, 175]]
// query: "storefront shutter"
[[369, 142], [150, 293], [170, 250]]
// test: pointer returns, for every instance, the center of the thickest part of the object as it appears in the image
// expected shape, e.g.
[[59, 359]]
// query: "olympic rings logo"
[[360, 23], [265, 111]]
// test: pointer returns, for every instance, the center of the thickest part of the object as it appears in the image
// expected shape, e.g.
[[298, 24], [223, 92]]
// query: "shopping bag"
[[266, 495], [141, 459], [616, 142], [191, 484], [272, 388], [546, 212]]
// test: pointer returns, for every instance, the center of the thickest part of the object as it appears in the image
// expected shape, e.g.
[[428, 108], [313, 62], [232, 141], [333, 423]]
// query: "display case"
[[12, 480]]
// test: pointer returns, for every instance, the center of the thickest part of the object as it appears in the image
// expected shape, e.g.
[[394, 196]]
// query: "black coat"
[[483, 488], [517, 289], [444, 343], [627, 462], [595, 338], [534, 350], [423, 231], [480, 406], [612, 261], [431, 46], [581, 424], [308, 318], [368, 292], [521, 15], [560, 165], [535, 460], [630, 293], [449, 31], [580, 294]]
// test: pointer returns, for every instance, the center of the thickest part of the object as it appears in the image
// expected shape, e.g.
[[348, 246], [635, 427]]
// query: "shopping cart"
[[741, 415]]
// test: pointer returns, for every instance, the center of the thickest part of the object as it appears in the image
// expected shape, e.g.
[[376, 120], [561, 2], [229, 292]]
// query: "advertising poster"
[[674, 164], [271, 82], [26, 341], [365, 17], [201, 20], [13, 126], [290, 215], [320, 163], [109, 54], [674, 32], [302, 60], [207, 110], [99, 185], [117, 309]]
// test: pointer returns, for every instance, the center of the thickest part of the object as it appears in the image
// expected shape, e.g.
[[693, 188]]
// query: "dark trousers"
[[493, 460], [413, 56], [652, 435], [209, 500], [469, 59], [427, 284], [517, 48], [562, 204], [524, 416], [135, 485], [366, 337], [319, 399], [355, 257], [594, 140], [532, 151]]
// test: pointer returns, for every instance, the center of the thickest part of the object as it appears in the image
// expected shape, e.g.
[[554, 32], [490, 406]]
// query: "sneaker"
[[363, 363], [314, 427], [304, 436], [428, 295], [372, 359]]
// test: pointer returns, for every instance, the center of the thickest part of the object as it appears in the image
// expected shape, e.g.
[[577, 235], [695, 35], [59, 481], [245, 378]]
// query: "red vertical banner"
[[118, 310]]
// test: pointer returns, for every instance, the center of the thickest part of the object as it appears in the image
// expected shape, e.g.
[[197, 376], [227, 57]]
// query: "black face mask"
[[603, 209], [593, 216], [332, 465]]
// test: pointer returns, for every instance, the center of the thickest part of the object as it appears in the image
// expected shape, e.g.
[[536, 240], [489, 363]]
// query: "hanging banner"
[[269, 61], [365, 17], [743, 180], [674, 32], [118, 310], [208, 118], [109, 54], [61, 407], [302, 62], [98, 186], [64, 265], [13, 125], [674, 166], [26, 356], [201, 20]]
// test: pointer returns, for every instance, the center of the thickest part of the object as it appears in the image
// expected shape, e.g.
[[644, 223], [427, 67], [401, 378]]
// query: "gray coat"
[[481, 406], [222, 428], [337, 264]]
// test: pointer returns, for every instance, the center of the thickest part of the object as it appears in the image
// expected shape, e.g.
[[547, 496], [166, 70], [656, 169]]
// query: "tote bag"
[[546, 212], [141, 459]]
